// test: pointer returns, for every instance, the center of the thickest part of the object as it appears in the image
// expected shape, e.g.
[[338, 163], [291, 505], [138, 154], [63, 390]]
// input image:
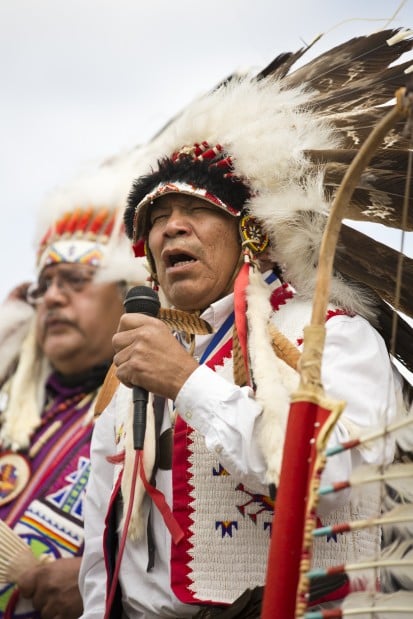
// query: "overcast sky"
[[84, 79]]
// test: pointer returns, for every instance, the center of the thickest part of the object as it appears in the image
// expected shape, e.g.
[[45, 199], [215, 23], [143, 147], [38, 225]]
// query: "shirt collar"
[[218, 311]]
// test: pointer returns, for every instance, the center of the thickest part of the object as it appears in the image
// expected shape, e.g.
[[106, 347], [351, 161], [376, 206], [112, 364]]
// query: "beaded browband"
[[77, 236]]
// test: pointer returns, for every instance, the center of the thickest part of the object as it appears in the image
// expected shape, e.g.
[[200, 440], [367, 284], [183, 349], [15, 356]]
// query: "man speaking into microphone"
[[185, 521]]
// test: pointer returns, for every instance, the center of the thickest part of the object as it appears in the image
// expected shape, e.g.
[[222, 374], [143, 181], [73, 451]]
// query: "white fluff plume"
[[270, 154], [25, 394], [15, 317], [267, 129]]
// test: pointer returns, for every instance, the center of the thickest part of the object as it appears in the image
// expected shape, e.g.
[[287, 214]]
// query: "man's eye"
[[44, 284], [157, 218], [77, 280]]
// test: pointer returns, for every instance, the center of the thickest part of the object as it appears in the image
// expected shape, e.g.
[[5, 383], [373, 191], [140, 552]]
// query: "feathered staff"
[[312, 417]]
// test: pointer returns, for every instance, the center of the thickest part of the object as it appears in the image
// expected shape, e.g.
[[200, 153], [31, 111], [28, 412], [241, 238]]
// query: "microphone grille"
[[142, 300]]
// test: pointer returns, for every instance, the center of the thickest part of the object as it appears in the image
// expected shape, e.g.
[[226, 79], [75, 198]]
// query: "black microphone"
[[140, 300]]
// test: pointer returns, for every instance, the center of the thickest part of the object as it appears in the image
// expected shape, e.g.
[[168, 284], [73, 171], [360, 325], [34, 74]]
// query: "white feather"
[[397, 523], [404, 436], [397, 476], [400, 575], [378, 605]]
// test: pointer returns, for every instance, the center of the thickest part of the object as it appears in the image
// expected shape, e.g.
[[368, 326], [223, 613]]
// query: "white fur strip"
[[26, 393], [275, 380], [15, 317]]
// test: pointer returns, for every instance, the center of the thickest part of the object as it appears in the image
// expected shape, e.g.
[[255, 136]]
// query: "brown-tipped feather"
[[280, 66], [354, 128], [107, 391], [376, 88], [348, 62], [374, 264], [403, 338], [379, 197], [353, 85]]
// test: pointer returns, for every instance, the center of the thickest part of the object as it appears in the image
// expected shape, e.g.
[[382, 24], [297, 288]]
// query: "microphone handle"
[[140, 401], [140, 300]]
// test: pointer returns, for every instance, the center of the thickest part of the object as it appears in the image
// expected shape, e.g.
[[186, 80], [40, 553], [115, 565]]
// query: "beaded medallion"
[[14, 474]]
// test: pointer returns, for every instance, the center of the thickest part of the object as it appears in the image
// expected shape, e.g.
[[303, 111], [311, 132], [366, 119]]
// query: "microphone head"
[[142, 300]]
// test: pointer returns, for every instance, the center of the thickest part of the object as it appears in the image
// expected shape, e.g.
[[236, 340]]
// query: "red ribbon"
[[240, 309]]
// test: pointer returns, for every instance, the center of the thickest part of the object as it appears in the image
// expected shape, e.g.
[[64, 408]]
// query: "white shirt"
[[355, 368]]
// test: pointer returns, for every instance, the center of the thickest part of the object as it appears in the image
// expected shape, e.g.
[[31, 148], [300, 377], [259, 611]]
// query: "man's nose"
[[178, 222], [55, 291]]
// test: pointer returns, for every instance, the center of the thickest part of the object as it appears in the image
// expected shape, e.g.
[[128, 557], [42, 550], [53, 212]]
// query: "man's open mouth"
[[179, 260]]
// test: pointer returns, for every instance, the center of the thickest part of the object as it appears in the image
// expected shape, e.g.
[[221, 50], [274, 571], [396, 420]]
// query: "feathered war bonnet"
[[81, 222], [276, 146]]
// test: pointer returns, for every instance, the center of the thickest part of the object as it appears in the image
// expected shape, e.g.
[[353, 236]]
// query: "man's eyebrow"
[[156, 209]]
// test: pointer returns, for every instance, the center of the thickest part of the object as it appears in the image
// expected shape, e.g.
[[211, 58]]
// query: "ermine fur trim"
[[275, 379]]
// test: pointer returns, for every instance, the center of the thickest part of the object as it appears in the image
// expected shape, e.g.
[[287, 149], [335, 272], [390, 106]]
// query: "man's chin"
[[189, 301], [59, 345]]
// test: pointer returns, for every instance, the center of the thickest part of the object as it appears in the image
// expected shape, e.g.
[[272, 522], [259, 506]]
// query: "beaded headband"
[[79, 236]]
